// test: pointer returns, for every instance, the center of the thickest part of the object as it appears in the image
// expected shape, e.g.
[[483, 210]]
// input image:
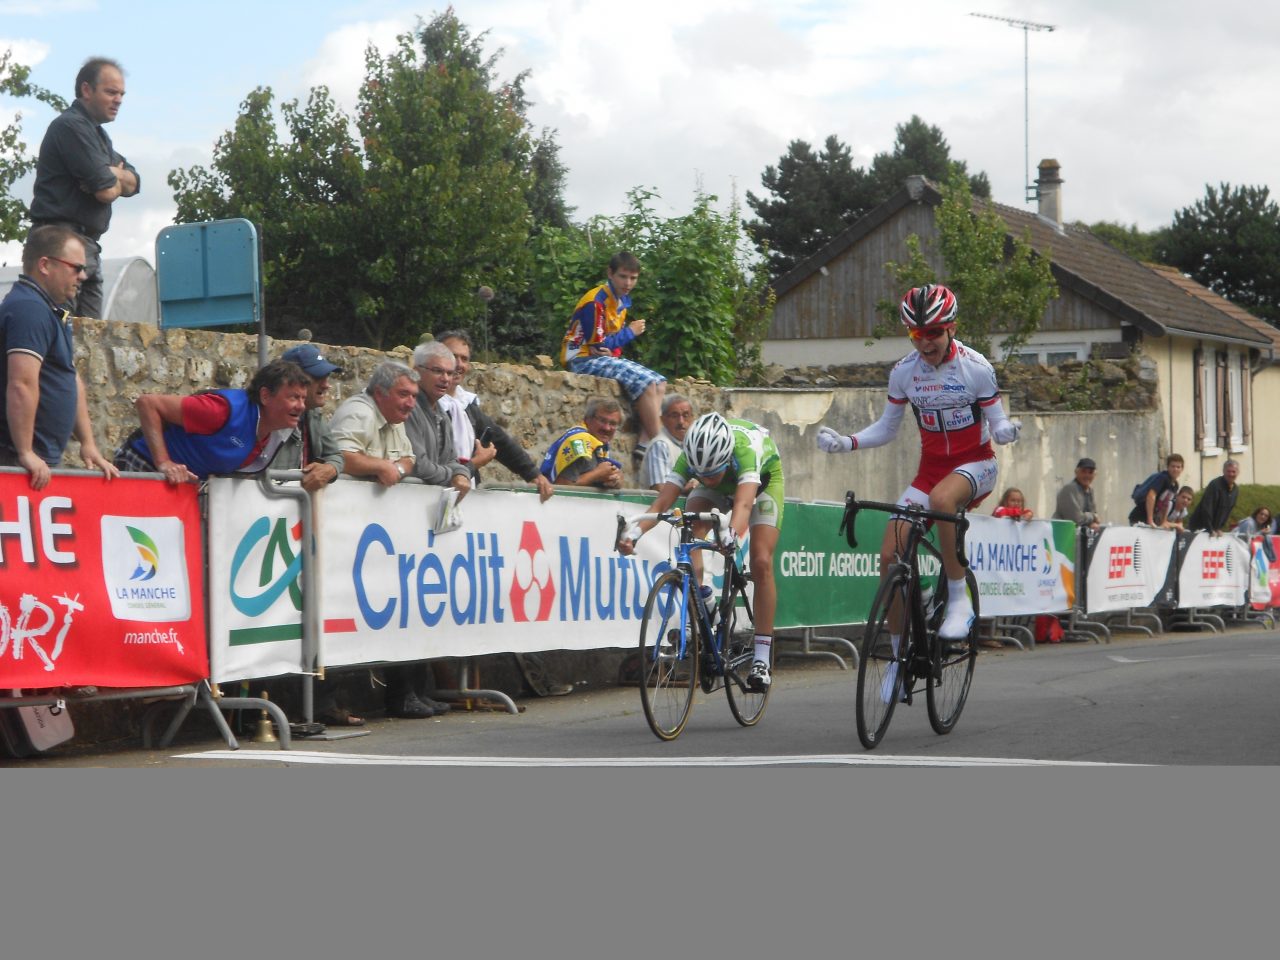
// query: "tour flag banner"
[[518, 575], [1022, 566], [1128, 568], [1215, 572], [1264, 589], [101, 583]]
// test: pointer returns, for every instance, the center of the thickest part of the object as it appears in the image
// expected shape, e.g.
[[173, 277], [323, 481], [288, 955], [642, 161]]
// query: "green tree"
[[705, 298], [920, 149], [15, 161], [1002, 285], [379, 239], [1229, 241], [814, 197], [1138, 244]]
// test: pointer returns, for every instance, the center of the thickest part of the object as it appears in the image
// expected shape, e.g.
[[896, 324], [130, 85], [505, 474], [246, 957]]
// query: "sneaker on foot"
[[959, 618], [759, 679]]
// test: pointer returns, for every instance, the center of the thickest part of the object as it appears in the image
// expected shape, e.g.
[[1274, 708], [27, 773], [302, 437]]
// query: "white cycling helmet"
[[708, 446]]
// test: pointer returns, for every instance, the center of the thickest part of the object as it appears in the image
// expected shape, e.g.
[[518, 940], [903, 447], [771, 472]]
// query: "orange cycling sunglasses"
[[928, 333]]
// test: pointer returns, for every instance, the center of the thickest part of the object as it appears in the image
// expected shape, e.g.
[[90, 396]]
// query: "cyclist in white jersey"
[[952, 390]]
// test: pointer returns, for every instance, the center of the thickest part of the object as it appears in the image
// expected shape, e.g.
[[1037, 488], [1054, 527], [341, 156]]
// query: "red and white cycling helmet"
[[932, 305], [708, 446]]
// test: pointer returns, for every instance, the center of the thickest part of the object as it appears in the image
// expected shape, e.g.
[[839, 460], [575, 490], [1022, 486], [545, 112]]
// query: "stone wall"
[[1103, 409], [118, 361]]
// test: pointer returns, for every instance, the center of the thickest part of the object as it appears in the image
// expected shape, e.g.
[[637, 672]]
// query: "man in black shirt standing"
[[1213, 512], [79, 174]]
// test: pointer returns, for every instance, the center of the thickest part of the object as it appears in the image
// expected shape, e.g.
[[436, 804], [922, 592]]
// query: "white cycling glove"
[[632, 533], [832, 441], [728, 540], [1006, 431]]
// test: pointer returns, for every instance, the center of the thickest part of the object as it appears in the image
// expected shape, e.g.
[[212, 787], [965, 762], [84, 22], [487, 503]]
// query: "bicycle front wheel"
[[738, 652], [668, 656], [951, 665], [880, 662]]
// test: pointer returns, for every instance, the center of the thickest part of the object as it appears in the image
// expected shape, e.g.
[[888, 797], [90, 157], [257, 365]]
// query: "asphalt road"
[[1175, 699]]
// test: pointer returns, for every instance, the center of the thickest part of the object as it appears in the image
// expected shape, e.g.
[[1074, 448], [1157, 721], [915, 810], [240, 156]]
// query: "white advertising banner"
[[1129, 567], [1022, 567], [1215, 572], [518, 575]]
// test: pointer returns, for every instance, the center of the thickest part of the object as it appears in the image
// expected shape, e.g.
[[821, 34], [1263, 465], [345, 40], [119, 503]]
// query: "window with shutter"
[[1224, 399], [1199, 384], [1246, 405]]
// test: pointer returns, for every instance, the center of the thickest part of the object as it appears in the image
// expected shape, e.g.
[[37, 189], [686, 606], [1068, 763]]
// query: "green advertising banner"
[[821, 582]]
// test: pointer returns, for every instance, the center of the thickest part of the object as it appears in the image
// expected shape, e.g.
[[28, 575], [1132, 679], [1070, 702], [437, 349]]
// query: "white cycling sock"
[[764, 644], [957, 590]]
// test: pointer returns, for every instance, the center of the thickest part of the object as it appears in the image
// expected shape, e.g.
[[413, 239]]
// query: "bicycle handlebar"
[[911, 513], [673, 517]]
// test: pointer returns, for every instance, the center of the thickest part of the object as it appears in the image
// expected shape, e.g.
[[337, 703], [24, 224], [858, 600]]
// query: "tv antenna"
[[1026, 26]]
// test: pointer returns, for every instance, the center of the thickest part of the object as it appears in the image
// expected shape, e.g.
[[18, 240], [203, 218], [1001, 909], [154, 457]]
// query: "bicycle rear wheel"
[[952, 665], [880, 674], [668, 668], [747, 705]]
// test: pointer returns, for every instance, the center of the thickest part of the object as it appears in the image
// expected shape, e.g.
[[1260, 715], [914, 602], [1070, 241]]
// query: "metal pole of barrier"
[[312, 666], [269, 481]]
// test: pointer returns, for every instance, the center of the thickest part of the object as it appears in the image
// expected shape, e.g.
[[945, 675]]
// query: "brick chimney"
[[1049, 192]]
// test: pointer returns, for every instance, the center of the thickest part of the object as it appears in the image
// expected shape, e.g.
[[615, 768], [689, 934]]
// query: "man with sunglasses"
[[41, 394], [952, 391]]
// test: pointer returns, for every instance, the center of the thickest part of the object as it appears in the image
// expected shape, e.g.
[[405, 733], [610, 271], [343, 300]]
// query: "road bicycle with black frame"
[[684, 645], [890, 674]]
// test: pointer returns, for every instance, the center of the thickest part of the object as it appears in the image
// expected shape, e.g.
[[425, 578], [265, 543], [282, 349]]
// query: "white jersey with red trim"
[[948, 401]]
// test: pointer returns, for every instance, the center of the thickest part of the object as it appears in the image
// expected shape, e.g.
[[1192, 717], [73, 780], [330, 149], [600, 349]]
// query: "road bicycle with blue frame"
[[684, 645], [890, 674]]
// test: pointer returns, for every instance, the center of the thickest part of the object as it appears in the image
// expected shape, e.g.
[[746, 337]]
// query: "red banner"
[[101, 583]]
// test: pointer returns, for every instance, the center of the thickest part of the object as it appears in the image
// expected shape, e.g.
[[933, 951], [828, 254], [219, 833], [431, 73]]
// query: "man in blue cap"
[[310, 447]]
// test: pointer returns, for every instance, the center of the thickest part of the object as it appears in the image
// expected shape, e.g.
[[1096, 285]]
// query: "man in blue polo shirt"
[[42, 395]]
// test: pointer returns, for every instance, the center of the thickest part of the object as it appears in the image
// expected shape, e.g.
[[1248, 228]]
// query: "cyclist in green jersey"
[[738, 470]]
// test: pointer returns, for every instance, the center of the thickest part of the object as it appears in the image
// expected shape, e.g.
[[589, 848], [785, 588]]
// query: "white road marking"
[[825, 760], [1189, 656]]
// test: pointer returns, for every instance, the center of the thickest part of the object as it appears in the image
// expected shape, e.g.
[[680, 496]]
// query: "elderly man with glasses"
[[43, 395]]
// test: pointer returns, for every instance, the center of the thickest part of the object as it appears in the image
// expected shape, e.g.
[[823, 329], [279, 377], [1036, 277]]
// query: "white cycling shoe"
[[958, 621]]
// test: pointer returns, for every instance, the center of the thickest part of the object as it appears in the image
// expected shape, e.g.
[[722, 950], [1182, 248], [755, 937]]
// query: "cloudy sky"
[[1142, 103]]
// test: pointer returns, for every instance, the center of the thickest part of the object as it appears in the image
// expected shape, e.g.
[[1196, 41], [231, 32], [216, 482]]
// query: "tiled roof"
[[1086, 264], [1185, 283]]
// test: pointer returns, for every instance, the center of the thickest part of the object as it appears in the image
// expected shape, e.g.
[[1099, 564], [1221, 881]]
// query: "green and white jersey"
[[755, 460]]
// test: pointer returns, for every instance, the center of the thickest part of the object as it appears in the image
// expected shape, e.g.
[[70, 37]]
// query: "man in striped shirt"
[[677, 414]]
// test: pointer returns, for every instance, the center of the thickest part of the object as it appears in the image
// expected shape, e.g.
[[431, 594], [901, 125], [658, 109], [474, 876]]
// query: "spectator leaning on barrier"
[[597, 334], [1213, 512], [470, 423], [310, 448], [79, 174], [429, 427], [369, 427], [188, 438], [1181, 509], [1158, 492], [42, 394], [1075, 499], [1258, 522], [666, 447], [580, 456]]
